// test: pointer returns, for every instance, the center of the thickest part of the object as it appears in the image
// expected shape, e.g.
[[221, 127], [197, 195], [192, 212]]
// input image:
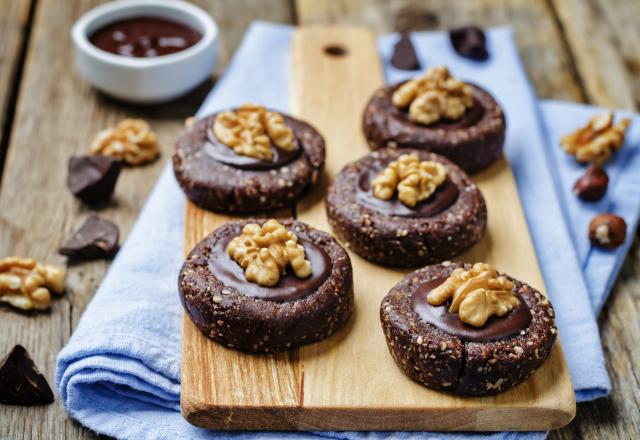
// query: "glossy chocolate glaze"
[[494, 329], [224, 154], [143, 37], [443, 197], [468, 119], [289, 288]]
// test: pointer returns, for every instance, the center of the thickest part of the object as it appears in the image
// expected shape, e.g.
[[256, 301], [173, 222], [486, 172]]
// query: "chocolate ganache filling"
[[289, 287], [494, 329], [442, 198], [225, 154]]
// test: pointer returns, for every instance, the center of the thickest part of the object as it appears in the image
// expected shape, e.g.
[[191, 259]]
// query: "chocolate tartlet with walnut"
[[265, 286], [406, 208], [437, 113], [247, 159], [466, 329]]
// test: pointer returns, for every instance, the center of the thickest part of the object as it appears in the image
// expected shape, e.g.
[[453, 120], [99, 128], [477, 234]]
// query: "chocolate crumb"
[[20, 381], [96, 238], [92, 178], [404, 54], [470, 42]]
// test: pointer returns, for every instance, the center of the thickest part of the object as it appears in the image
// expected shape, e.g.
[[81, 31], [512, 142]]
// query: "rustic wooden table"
[[578, 50]]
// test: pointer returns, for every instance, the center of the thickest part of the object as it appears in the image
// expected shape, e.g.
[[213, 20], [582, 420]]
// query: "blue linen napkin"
[[119, 373]]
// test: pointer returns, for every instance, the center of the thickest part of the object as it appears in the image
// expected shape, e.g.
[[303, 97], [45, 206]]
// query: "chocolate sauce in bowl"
[[145, 37]]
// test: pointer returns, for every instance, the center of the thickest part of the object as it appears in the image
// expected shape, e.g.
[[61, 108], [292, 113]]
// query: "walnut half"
[[26, 285], [597, 140], [131, 141], [476, 294], [414, 180], [264, 252], [435, 95], [251, 129]]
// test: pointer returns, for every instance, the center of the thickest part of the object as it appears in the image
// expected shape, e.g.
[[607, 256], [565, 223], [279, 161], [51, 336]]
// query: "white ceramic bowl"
[[145, 80]]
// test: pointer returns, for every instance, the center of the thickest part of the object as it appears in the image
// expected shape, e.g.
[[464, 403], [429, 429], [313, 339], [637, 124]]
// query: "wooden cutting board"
[[349, 381]]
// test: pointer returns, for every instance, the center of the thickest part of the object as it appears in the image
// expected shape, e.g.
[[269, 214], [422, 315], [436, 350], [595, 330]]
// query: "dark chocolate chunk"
[[20, 381], [93, 178], [404, 54], [96, 238], [470, 42]]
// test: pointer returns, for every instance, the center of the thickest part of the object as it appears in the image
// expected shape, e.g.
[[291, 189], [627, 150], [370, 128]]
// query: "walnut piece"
[[435, 95], [26, 284], [251, 129], [265, 251], [476, 294], [414, 180], [597, 140], [131, 141]]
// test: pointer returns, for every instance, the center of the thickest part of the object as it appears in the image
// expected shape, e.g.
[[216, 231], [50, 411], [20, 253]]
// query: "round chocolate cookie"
[[473, 142], [215, 177], [434, 347], [251, 317], [451, 220]]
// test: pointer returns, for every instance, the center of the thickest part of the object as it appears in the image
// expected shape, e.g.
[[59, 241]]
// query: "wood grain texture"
[[540, 42], [13, 38], [349, 381]]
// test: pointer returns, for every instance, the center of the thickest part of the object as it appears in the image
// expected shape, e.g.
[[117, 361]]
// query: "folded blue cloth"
[[119, 373]]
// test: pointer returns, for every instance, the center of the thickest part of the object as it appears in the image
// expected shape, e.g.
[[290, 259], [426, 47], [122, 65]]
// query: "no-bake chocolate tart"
[[438, 113], [406, 208], [267, 285], [466, 329], [247, 160]]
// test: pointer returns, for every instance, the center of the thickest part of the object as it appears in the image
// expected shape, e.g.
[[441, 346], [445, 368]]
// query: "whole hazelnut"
[[607, 230], [592, 185]]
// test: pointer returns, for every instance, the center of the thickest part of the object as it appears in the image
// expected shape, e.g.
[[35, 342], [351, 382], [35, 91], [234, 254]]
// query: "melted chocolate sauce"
[[143, 37], [494, 329], [224, 154], [443, 197], [289, 288]]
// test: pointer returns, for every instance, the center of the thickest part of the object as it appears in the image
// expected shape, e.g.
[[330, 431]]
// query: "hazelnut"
[[592, 185], [607, 230]]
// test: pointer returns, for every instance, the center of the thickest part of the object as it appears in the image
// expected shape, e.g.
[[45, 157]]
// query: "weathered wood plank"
[[604, 38], [539, 39], [14, 24], [58, 114]]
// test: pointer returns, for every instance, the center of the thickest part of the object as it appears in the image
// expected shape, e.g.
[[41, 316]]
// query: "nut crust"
[[405, 241], [472, 148], [256, 325], [444, 362], [219, 187]]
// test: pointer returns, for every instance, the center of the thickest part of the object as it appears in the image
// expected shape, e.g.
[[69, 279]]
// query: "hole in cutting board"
[[335, 50]]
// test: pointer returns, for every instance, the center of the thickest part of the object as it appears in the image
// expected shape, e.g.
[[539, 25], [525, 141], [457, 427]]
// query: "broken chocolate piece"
[[96, 238], [93, 178], [20, 381], [404, 54], [469, 42]]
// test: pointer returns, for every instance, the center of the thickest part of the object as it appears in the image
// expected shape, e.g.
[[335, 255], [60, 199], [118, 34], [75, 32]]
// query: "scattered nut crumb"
[[131, 141], [597, 140], [26, 284]]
